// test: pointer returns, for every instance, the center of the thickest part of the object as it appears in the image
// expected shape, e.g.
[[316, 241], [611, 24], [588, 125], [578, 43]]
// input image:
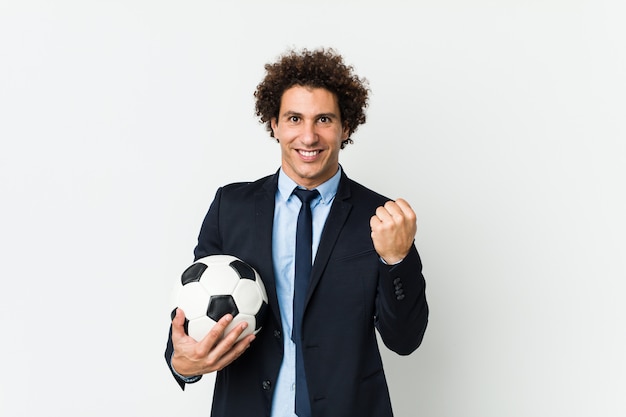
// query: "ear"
[[274, 125], [346, 132]]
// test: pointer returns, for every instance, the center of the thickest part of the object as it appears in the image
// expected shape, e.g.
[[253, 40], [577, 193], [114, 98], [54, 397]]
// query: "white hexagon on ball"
[[193, 300], [219, 279], [248, 296], [199, 327]]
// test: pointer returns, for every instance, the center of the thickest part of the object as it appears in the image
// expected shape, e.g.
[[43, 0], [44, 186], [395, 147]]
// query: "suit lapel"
[[334, 223], [264, 221]]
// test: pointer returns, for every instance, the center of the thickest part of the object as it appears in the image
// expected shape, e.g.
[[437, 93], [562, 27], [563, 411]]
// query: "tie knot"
[[306, 196]]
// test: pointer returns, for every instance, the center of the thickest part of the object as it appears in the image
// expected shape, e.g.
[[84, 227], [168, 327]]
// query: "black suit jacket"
[[351, 293]]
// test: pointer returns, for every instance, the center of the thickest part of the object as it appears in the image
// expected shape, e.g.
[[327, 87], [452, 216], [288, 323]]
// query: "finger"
[[228, 349], [216, 333], [178, 324], [234, 352], [374, 222], [406, 208], [394, 210], [231, 337], [383, 214]]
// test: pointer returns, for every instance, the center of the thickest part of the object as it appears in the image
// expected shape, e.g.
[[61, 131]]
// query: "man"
[[366, 272]]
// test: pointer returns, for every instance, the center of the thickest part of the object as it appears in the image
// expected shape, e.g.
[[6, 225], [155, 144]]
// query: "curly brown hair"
[[320, 68]]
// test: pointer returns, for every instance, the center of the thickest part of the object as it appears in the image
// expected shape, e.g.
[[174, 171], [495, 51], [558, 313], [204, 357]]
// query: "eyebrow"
[[290, 113]]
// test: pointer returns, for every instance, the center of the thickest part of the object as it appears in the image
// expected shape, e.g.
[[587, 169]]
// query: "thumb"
[[178, 324]]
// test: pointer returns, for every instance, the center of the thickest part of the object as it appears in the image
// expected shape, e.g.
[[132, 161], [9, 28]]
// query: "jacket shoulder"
[[361, 193], [247, 188]]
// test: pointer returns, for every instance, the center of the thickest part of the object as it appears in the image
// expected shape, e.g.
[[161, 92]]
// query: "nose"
[[308, 135]]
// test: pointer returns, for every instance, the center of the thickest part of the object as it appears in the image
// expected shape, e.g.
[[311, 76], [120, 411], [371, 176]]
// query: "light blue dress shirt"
[[283, 255]]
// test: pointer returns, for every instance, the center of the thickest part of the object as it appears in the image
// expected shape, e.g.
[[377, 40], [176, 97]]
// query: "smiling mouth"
[[308, 154]]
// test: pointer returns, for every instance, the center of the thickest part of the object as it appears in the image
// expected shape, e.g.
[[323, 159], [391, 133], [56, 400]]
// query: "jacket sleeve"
[[401, 307], [208, 244]]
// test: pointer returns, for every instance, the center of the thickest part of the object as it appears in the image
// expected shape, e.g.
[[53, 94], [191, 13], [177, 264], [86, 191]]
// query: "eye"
[[294, 119], [325, 119]]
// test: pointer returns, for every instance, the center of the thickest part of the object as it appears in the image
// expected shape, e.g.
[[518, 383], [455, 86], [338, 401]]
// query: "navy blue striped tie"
[[304, 262]]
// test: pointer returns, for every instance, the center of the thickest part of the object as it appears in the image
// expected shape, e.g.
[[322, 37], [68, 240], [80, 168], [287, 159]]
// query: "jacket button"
[[267, 384], [277, 334]]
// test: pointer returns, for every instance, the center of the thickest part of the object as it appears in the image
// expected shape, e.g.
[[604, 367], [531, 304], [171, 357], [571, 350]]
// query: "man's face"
[[310, 133]]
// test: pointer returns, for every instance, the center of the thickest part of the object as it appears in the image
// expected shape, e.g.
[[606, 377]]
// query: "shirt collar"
[[327, 189]]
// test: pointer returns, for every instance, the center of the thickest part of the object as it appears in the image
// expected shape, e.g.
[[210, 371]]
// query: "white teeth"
[[308, 153]]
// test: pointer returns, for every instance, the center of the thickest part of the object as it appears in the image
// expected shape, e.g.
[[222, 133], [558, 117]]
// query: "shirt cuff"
[[393, 264], [185, 379]]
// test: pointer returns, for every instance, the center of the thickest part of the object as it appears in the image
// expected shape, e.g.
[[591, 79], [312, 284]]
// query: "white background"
[[501, 122]]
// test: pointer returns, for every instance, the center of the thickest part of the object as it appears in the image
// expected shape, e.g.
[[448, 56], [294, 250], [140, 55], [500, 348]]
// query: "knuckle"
[[215, 332], [198, 352], [212, 361]]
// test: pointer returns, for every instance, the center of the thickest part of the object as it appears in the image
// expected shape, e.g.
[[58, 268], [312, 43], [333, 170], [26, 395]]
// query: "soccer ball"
[[216, 285]]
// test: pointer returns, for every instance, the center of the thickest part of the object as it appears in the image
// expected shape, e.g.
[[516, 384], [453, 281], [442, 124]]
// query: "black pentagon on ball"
[[220, 305], [244, 270], [259, 317], [193, 273]]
